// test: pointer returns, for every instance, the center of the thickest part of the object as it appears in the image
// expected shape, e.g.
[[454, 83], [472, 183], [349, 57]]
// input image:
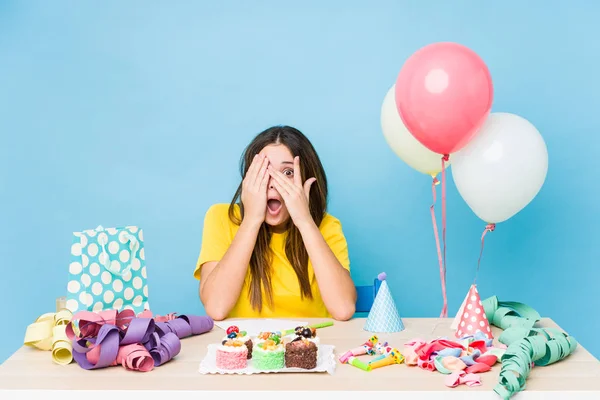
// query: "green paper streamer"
[[527, 345]]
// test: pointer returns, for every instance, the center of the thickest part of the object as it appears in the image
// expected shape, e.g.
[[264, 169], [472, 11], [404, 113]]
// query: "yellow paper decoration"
[[48, 333]]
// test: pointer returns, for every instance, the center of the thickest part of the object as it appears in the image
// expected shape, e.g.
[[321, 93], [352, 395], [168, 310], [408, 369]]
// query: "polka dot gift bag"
[[107, 270]]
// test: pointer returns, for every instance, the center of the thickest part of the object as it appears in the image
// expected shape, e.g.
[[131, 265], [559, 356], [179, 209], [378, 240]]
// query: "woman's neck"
[[279, 229]]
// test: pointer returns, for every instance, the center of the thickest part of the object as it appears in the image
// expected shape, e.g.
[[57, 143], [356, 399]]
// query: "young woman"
[[274, 251]]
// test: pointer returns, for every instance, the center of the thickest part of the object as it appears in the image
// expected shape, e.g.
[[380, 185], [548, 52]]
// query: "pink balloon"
[[444, 94]]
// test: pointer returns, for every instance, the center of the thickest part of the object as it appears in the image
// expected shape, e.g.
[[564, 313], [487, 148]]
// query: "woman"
[[277, 253]]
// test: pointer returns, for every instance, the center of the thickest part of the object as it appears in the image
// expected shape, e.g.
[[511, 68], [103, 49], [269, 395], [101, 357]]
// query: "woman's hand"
[[294, 194], [254, 190]]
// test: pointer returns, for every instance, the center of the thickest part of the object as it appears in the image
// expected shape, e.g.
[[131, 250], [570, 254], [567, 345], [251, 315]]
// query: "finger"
[[261, 172], [265, 179], [282, 191], [283, 181], [297, 175], [307, 186], [250, 174]]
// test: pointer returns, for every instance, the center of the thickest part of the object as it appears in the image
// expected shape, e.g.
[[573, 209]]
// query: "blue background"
[[136, 113]]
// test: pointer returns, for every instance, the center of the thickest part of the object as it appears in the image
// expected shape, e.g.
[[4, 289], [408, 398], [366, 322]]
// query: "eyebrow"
[[287, 162]]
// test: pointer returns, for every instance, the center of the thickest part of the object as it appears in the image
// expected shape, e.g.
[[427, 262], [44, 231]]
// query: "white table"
[[31, 370]]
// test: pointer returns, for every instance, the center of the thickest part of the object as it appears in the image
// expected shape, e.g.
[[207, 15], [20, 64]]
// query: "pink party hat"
[[459, 314], [473, 318]]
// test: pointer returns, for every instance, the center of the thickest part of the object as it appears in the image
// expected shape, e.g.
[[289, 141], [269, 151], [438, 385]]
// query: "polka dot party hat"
[[473, 318]]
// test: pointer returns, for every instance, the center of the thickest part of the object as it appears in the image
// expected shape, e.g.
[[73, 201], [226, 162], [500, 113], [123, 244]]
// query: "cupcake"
[[232, 354], [306, 332], [233, 332], [301, 351], [264, 336], [269, 352]]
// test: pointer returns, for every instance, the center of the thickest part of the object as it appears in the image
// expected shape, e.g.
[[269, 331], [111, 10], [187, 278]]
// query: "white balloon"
[[502, 168], [403, 143]]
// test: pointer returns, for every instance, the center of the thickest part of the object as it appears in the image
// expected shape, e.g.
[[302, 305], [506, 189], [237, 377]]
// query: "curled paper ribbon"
[[48, 333], [506, 314], [135, 357], [137, 343], [527, 346], [541, 347]]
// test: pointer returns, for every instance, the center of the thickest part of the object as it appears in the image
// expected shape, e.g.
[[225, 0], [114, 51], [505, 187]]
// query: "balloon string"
[[488, 228], [445, 159], [444, 312]]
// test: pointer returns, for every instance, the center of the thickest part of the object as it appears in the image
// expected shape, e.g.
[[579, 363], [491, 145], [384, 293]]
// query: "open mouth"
[[274, 206]]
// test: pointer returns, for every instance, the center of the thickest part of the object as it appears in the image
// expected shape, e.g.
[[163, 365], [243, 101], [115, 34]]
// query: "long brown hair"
[[310, 167]]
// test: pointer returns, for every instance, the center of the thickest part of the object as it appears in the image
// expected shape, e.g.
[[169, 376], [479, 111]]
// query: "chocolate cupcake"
[[301, 353]]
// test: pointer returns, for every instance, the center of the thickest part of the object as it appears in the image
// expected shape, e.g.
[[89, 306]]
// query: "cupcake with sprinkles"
[[233, 333], [269, 352], [264, 336], [232, 354]]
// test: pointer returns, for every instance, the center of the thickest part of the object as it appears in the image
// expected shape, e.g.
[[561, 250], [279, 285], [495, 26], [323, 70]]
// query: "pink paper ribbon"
[[138, 343], [133, 357]]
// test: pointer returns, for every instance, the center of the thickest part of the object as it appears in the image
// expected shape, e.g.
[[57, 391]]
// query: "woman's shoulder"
[[330, 224], [219, 208], [220, 212]]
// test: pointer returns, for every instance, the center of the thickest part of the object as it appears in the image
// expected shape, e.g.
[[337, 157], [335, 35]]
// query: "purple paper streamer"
[[161, 339], [108, 340], [200, 324], [138, 331]]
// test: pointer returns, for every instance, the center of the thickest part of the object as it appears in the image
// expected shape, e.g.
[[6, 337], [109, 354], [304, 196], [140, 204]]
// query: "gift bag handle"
[[134, 247]]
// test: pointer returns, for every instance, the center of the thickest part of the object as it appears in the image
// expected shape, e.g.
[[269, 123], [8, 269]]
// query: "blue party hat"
[[384, 316]]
